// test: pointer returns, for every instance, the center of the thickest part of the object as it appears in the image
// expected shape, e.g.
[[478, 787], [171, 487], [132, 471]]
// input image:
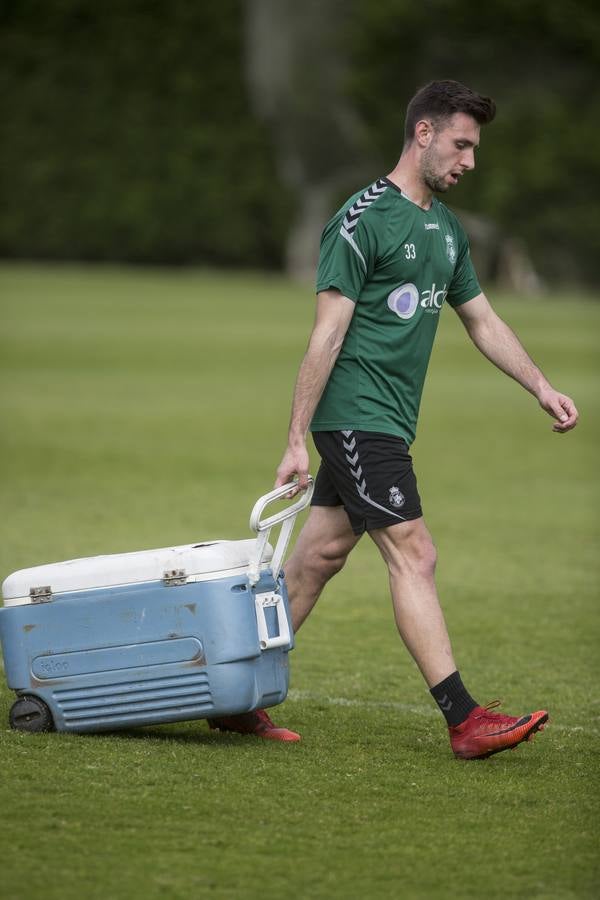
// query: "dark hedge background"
[[127, 131], [126, 135]]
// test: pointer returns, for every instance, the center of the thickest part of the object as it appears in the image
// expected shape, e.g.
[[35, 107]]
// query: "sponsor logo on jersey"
[[432, 300], [396, 497], [405, 299], [450, 248], [432, 226]]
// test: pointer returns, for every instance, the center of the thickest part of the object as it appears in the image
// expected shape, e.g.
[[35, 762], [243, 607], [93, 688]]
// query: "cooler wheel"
[[29, 713]]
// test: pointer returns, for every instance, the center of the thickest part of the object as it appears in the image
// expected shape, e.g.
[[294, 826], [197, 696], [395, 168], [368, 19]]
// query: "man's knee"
[[407, 548], [324, 559], [323, 545], [425, 555]]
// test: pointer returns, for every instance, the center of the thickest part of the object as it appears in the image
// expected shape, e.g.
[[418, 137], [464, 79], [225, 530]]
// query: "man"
[[389, 259]]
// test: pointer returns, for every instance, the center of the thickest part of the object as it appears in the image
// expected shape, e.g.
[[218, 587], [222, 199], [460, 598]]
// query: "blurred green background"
[[144, 407], [196, 132]]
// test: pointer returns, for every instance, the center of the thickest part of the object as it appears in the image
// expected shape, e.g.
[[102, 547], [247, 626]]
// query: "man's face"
[[450, 152]]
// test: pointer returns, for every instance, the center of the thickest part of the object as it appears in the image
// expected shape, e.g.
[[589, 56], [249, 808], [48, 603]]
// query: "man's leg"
[[475, 732], [410, 556], [321, 550]]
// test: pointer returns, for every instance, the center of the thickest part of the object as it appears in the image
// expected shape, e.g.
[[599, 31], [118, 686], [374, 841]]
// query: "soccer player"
[[390, 258]]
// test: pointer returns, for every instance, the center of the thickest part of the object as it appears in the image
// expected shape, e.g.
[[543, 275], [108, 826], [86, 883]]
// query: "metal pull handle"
[[286, 518], [276, 494]]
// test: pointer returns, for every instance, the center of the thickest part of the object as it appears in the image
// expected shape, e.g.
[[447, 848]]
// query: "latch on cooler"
[[173, 577], [40, 594]]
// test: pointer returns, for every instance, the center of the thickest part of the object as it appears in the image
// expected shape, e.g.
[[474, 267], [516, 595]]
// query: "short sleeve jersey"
[[398, 263]]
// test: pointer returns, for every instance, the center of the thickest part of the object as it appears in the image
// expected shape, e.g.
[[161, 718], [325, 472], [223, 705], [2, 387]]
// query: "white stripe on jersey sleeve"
[[348, 237]]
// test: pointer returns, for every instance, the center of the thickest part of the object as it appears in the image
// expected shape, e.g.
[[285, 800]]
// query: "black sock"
[[453, 699]]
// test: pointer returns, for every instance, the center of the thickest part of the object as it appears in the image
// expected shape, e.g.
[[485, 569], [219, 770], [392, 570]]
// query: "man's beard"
[[434, 182]]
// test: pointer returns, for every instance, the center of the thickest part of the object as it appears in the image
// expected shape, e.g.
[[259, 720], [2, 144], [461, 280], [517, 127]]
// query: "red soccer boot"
[[257, 723], [484, 733]]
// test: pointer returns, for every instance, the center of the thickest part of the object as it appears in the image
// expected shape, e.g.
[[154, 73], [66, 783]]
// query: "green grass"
[[145, 408]]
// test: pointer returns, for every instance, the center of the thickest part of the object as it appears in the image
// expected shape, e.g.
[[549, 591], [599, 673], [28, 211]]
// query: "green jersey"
[[398, 263]]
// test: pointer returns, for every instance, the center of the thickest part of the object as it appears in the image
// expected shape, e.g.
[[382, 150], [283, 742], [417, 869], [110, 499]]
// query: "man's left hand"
[[561, 408]]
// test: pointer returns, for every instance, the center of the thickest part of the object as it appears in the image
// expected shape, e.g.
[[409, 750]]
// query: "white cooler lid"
[[199, 562]]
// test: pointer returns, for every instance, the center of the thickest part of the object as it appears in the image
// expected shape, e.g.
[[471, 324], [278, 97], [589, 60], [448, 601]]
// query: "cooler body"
[[181, 646]]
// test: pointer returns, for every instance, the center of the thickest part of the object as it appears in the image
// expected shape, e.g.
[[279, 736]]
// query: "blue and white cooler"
[[157, 636]]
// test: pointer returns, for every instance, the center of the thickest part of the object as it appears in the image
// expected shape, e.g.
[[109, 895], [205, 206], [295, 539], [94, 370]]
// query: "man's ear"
[[423, 133]]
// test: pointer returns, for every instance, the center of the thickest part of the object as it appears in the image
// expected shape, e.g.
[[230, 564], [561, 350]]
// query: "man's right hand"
[[294, 463]]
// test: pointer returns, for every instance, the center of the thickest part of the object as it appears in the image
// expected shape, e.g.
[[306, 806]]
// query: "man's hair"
[[440, 100]]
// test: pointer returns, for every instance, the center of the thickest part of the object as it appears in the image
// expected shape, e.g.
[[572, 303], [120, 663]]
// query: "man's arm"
[[334, 312], [501, 346]]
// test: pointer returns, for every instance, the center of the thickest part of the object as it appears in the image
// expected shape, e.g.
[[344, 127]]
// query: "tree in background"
[[297, 72], [540, 60]]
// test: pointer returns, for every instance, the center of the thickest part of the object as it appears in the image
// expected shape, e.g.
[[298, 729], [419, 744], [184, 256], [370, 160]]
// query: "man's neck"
[[405, 176]]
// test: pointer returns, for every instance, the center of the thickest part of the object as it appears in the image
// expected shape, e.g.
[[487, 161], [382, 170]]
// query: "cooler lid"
[[192, 562]]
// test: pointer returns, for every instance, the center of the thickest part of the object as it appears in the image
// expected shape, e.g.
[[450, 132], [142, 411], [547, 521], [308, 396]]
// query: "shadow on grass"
[[180, 734]]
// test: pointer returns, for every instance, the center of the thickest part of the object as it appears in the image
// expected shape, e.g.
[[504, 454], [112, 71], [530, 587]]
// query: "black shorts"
[[368, 473]]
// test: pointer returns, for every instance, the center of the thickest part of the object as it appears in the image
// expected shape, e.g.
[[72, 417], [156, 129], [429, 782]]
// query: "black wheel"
[[29, 713]]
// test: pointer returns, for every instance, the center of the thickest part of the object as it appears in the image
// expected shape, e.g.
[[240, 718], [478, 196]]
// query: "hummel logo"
[[432, 226]]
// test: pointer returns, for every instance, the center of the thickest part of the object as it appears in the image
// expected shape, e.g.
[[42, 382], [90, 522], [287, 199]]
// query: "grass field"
[[147, 408]]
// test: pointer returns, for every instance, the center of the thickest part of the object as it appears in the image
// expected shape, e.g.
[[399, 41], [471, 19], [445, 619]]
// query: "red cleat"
[[257, 723], [484, 733]]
